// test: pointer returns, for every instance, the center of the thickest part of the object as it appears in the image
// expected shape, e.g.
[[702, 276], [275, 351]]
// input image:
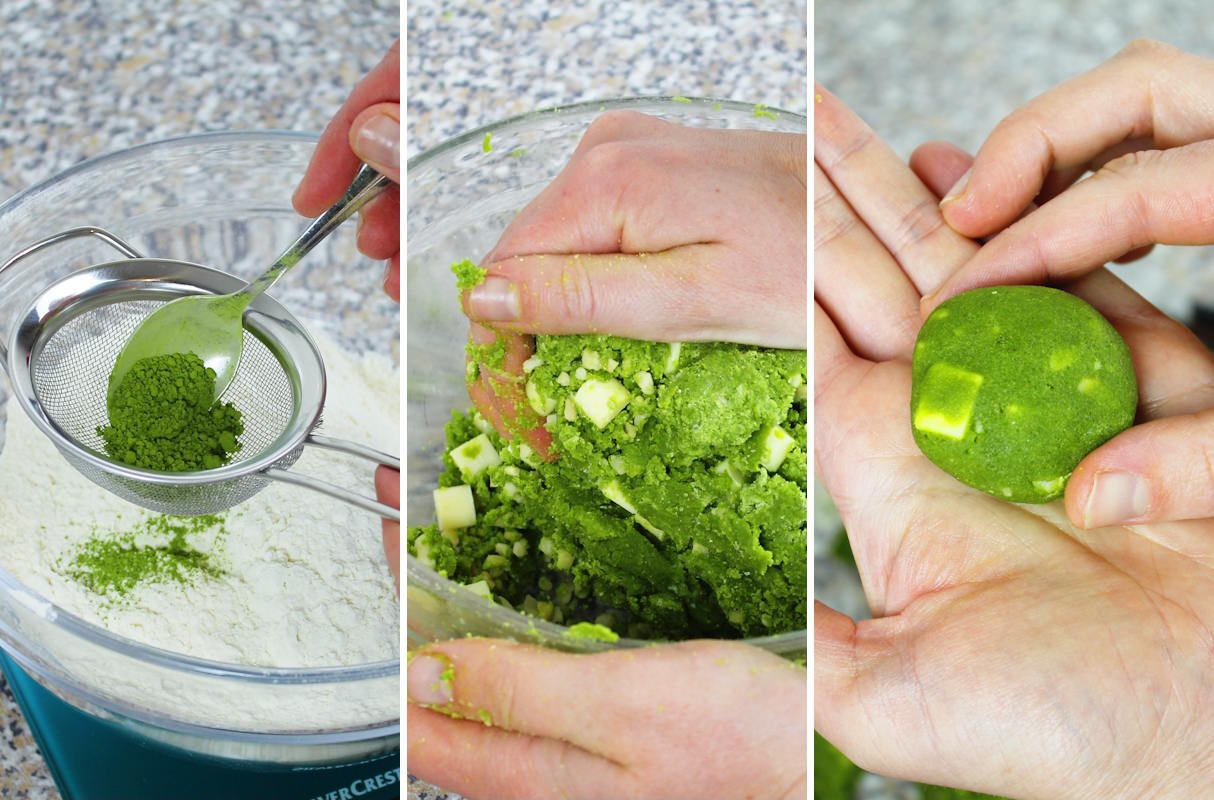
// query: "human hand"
[[651, 231], [365, 129], [387, 490], [1010, 651], [690, 720], [1145, 122]]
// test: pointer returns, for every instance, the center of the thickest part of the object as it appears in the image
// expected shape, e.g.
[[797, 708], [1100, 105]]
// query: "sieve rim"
[[27, 337]]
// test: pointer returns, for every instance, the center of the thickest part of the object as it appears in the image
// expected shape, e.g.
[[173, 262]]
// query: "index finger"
[[333, 163], [1149, 90], [524, 689]]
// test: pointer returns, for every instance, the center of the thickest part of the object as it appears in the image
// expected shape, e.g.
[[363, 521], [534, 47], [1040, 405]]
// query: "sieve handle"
[[336, 492], [63, 236], [354, 449]]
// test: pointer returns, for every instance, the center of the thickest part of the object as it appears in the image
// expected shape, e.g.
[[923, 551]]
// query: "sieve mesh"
[[70, 375]]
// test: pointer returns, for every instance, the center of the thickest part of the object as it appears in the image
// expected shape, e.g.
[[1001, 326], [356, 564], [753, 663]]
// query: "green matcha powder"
[[155, 550], [163, 417]]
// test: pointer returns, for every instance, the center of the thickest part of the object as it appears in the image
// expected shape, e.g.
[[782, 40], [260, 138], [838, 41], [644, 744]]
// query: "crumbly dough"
[[675, 508]]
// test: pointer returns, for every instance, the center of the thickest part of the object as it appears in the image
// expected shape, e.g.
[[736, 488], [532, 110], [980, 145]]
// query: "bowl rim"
[[603, 106], [426, 575], [426, 579], [126, 647]]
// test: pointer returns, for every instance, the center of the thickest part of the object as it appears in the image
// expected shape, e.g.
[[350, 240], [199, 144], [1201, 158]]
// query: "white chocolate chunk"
[[1062, 358], [947, 400], [612, 491], [776, 445], [475, 456], [734, 473], [601, 401], [1051, 485], [672, 361], [591, 359], [539, 403], [454, 508], [657, 532], [481, 588]]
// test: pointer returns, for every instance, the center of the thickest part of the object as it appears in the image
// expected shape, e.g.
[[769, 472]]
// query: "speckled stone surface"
[[84, 79], [951, 69], [471, 65]]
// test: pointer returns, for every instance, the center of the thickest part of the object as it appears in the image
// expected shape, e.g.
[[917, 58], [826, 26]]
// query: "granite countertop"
[[471, 66], [85, 79]]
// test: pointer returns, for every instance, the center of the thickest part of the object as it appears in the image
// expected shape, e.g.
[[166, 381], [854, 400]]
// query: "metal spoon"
[[210, 325]]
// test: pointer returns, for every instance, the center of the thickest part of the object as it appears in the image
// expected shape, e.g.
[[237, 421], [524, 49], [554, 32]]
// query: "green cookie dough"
[[1013, 385], [588, 630], [675, 506]]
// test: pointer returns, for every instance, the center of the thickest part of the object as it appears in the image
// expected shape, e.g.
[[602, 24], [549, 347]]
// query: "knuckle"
[[1018, 118], [844, 143], [1130, 164], [832, 220], [917, 224], [1148, 48], [609, 163], [615, 125], [576, 297], [503, 694]]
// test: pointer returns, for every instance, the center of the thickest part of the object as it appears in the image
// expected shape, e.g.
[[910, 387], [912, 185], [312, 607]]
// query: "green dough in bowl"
[[1013, 385]]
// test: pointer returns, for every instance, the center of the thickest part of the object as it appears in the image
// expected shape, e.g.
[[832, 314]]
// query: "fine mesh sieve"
[[60, 352]]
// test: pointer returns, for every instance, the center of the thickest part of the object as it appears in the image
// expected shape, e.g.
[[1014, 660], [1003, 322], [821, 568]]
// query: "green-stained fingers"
[[694, 292]]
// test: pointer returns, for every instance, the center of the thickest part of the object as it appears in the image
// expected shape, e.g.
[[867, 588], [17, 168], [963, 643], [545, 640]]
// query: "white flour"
[[307, 584]]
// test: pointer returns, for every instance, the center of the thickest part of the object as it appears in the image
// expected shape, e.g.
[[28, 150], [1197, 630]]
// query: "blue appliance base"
[[94, 759]]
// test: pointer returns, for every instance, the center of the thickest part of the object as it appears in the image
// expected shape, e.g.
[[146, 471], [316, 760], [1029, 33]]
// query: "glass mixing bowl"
[[222, 200], [460, 199]]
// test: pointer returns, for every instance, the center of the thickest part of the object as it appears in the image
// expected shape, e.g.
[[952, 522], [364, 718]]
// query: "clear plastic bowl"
[[222, 200], [460, 199]]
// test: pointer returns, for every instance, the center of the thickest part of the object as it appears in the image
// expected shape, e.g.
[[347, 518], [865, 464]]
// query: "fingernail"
[[429, 681], [494, 300], [378, 141], [958, 188], [1116, 497]]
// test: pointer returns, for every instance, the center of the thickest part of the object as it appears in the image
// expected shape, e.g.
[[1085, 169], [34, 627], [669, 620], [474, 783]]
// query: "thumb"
[[863, 702], [375, 138], [839, 677], [469, 700], [1161, 470], [696, 292]]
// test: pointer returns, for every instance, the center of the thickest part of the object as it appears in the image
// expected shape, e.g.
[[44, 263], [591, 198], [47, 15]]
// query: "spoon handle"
[[367, 184]]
